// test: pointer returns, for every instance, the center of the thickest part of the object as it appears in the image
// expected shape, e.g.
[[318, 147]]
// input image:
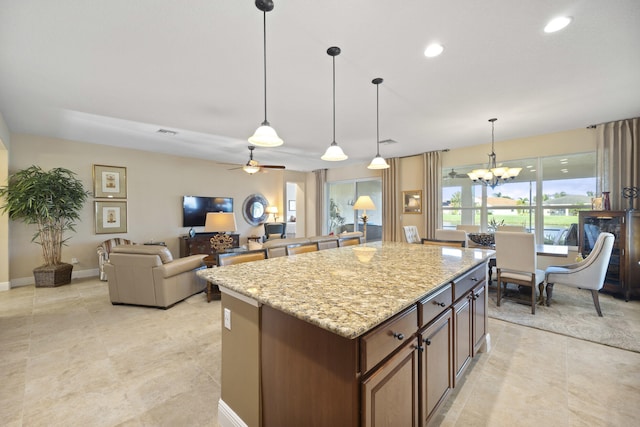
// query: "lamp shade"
[[364, 203], [378, 162], [334, 153], [220, 222], [272, 209], [265, 136]]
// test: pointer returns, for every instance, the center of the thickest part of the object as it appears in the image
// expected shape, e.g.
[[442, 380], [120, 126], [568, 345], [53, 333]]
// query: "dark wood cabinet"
[[469, 317], [436, 367], [201, 244], [623, 273], [390, 394]]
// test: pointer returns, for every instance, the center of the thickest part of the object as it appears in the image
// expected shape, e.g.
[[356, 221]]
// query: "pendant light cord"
[[334, 99], [264, 50], [377, 120]]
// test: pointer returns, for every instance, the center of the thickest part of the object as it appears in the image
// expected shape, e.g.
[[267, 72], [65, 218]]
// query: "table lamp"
[[363, 203], [274, 211], [221, 223]]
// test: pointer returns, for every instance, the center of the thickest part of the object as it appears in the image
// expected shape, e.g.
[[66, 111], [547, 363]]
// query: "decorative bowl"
[[483, 239]]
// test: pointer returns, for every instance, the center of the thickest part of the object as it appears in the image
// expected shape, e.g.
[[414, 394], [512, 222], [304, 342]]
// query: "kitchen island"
[[348, 336]]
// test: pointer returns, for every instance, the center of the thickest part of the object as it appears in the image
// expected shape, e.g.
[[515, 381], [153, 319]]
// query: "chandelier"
[[493, 175]]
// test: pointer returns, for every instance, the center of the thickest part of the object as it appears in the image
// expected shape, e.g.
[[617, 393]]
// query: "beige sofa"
[[148, 275]]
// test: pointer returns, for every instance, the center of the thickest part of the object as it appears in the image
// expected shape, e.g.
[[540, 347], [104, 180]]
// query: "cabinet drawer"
[[465, 283], [376, 345], [430, 307]]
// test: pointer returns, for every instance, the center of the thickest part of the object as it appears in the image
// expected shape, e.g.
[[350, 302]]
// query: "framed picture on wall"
[[111, 217], [412, 202], [292, 205], [109, 182]]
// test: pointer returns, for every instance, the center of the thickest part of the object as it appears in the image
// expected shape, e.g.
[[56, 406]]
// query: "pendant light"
[[378, 161], [493, 175], [334, 153], [265, 135]]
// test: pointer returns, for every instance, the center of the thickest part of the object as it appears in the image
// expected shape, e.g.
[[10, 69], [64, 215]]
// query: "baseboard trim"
[[5, 286], [26, 281], [228, 418]]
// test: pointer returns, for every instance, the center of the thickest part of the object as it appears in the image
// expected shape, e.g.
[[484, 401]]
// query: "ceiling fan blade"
[[273, 166]]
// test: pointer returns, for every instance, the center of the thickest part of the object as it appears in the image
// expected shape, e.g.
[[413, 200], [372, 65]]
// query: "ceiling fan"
[[453, 174], [253, 166]]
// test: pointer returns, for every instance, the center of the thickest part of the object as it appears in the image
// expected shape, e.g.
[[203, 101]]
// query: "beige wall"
[[156, 184], [4, 218]]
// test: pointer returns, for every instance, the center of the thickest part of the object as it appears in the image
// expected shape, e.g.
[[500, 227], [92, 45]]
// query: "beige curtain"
[[618, 160], [321, 180], [432, 203], [391, 231]]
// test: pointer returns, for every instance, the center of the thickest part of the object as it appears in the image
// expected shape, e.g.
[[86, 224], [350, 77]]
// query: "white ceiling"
[[114, 72]]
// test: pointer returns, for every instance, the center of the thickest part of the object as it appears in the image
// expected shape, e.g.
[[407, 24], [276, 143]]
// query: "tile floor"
[[70, 358]]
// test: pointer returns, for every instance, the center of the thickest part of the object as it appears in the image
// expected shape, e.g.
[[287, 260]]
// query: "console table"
[[201, 244]]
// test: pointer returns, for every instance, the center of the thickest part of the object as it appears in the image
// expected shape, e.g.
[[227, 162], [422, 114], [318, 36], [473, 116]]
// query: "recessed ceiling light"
[[433, 50], [556, 24]]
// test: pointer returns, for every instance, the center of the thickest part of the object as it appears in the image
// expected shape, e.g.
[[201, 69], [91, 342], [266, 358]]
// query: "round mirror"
[[254, 209]]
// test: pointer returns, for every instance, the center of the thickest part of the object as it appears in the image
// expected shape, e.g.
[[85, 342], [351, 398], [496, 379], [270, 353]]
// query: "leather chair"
[[301, 248], [516, 262], [231, 258], [448, 243], [148, 275], [350, 241], [104, 249], [586, 274], [411, 234]]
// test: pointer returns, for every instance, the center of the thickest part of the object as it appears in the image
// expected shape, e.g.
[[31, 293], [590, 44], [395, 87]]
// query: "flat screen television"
[[195, 208]]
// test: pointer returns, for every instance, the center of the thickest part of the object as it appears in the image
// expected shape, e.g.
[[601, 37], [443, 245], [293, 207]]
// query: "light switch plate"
[[227, 318]]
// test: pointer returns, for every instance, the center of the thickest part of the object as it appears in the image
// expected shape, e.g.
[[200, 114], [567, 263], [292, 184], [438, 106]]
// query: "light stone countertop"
[[348, 290]]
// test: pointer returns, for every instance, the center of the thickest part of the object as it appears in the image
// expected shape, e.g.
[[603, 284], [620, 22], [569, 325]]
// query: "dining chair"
[[411, 234], [452, 235], [230, 258], [449, 243], [512, 228], [302, 248], [468, 228], [586, 274], [516, 262], [349, 241]]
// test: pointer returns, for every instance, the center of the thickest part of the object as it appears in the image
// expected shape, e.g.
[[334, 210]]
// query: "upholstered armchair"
[[274, 230], [148, 275], [586, 274], [104, 249]]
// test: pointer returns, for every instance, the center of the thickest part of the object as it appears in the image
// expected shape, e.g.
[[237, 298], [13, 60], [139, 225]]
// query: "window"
[[565, 185], [340, 216]]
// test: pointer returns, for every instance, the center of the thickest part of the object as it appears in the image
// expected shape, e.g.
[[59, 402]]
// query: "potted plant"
[[51, 200]]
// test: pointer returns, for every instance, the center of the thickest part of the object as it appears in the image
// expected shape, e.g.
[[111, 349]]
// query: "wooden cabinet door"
[[436, 366], [462, 323], [479, 310], [390, 393]]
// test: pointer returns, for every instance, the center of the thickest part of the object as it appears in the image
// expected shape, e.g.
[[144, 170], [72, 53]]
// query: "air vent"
[[388, 141], [167, 132]]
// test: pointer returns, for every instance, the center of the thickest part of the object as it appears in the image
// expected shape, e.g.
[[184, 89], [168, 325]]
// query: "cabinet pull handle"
[[398, 335], [427, 341], [473, 279], [441, 304], [476, 296], [419, 347]]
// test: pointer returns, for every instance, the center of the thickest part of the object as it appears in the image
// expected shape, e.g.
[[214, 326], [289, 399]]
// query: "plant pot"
[[48, 276]]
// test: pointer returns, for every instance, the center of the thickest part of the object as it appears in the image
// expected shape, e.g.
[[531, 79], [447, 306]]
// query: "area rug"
[[573, 314]]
